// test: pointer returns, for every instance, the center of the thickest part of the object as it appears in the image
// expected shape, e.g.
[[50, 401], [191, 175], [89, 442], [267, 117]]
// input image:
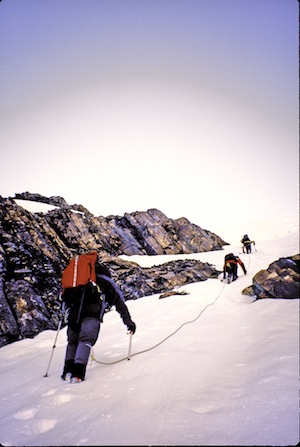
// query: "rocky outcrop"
[[138, 233], [53, 200], [35, 247], [280, 280], [136, 281]]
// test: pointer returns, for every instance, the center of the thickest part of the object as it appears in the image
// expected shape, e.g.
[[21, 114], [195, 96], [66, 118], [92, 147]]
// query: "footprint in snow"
[[59, 399], [62, 399], [39, 426], [24, 415], [50, 392]]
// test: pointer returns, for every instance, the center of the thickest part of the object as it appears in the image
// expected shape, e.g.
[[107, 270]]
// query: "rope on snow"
[[162, 341]]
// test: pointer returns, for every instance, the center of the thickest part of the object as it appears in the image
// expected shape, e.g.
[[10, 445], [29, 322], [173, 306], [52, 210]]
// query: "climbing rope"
[[249, 262], [162, 341]]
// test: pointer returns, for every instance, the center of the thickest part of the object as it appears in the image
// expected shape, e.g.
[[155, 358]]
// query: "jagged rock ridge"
[[35, 247]]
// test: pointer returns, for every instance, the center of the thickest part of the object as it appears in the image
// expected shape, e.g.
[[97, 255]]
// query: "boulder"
[[280, 280]]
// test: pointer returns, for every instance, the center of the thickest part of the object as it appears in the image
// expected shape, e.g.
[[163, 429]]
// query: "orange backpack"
[[80, 271]]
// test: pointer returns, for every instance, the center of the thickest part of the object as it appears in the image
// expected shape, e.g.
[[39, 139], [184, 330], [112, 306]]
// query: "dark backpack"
[[230, 257]]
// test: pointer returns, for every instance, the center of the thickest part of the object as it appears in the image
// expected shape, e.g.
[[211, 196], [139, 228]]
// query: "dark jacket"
[[246, 240], [113, 295], [231, 263], [90, 301]]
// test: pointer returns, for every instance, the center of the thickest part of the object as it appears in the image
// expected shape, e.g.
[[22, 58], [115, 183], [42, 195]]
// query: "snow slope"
[[212, 367]]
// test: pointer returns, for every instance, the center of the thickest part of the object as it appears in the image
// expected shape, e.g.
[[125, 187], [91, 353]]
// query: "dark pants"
[[232, 270], [248, 248], [79, 346]]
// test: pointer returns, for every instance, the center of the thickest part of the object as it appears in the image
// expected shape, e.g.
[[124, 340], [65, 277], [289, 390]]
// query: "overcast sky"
[[135, 104]]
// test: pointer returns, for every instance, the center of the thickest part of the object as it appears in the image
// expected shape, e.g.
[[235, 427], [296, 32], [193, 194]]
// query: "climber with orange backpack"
[[230, 268], [87, 289]]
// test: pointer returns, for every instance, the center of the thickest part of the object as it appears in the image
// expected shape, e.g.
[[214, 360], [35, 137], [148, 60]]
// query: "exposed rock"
[[136, 281], [280, 280], [31, 313], [138, 233], [171, 293], [53, 200], [35, 247]]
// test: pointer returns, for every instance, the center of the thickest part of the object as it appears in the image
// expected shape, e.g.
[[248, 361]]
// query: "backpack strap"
[[75, 271], [111, 281]]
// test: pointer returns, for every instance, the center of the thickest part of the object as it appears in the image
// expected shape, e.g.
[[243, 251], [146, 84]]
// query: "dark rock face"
[[138, 233], [280, 280], [35, 247], [136, 281]]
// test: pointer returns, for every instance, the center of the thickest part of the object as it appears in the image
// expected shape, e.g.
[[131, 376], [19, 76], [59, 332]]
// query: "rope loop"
[[93, 358]]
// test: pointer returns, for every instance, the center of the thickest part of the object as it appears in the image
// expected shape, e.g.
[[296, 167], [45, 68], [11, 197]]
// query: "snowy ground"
[[208, 368]]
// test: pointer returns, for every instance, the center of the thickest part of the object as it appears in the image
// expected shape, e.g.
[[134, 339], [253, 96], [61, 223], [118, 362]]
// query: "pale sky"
[[188, 106]]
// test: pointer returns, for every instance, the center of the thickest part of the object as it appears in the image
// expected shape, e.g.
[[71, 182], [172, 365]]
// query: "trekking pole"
[[54, 346], [129, 349], [57, 332]]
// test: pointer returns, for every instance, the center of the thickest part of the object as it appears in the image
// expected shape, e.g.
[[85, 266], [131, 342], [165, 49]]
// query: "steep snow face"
[[212, 367]]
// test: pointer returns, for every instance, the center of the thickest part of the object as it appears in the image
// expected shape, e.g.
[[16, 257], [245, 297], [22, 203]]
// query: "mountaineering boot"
[[75, 380], [229, 278], [68, 377], [68, 369], [78, 373]]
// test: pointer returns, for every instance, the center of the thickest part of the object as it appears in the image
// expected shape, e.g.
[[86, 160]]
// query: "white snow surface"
[[34, 207], [210, 368]]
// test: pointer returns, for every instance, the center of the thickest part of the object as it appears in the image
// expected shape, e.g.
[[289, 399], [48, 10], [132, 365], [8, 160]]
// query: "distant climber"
[[231, 263], [247, 244]]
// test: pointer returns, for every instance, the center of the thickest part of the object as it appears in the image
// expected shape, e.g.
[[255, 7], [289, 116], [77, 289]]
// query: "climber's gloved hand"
[[131, 327]]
